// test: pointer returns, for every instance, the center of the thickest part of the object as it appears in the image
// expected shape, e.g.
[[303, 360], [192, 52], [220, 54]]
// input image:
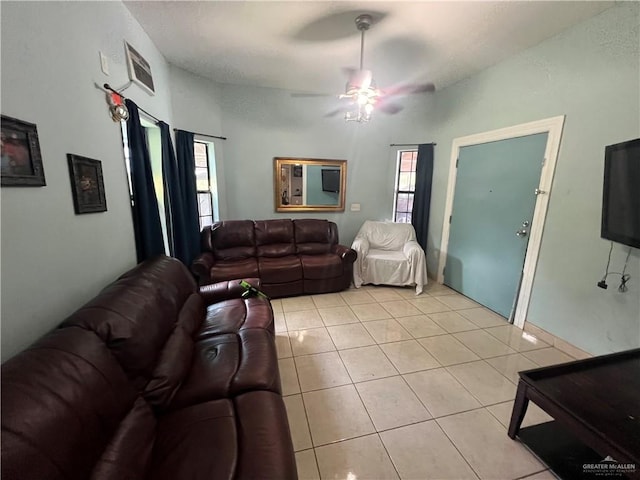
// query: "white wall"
[[591, 74], [52, 259]]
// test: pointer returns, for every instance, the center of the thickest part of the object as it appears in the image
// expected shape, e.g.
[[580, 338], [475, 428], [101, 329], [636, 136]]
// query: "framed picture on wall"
[[87, 185], [139, 69], [21, 158]]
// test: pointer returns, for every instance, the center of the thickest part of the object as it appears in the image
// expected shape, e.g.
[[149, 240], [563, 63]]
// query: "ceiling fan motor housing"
[[364, 21]]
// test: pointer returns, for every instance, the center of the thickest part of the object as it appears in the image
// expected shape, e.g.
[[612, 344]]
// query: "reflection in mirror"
[[309, 185]]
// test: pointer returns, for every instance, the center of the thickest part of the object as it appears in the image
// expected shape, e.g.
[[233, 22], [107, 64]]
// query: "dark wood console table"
[[597, 400]]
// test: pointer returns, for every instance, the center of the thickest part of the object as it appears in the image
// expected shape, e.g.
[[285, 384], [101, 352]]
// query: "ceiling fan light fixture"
[[360, 88]]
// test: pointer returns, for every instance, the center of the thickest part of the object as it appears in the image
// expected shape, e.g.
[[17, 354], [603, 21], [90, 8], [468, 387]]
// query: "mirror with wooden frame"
[[309, 184]]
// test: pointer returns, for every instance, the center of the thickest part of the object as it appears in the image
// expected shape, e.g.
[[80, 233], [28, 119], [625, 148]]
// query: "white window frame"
[[396, 188]]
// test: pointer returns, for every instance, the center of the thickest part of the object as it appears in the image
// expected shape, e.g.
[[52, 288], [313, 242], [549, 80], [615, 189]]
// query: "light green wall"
[[196, 107], [263, 123], [52, 259], [591, 74]]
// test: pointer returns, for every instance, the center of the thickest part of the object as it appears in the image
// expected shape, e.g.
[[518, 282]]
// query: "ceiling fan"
[[361, 96]]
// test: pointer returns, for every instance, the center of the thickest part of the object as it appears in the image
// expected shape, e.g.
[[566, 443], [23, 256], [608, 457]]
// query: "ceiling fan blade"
[[311, 95], [335, 112], [410, 89], [389, 108]]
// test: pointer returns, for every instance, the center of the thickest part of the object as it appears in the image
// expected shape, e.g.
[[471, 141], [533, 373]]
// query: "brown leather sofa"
[[147, 382], [291, 257]]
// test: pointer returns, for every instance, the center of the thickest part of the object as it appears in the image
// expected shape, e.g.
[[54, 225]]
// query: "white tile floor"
[[380, 383]]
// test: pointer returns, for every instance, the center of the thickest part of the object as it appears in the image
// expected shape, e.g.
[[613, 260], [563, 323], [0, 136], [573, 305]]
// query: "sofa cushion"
[[62, 401], [258, 369], [156, 289], [230, 240], [215, 361], [128, 454], [176, 355], [224, 365], [192, 314], [237, 314], [265, 441], [314, 237], [197, 443], [173, 366], [274, 238], [224, 270], [322, 266], [280, 270]]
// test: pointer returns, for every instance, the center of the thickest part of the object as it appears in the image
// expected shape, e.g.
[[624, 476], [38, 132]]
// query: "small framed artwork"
[[87, 185], [21, 158], [139, 69]]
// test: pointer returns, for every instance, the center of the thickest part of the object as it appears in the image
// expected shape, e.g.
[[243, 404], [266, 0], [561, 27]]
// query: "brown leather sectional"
[[152, 379], [291, 257]]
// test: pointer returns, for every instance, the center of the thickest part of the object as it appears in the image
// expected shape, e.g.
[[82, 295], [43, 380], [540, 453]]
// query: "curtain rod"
[[108, 87], [410, 144], [202, 134]]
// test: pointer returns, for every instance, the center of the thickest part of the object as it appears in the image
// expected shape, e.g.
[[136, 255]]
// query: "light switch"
[[355, 207], [104, 63]]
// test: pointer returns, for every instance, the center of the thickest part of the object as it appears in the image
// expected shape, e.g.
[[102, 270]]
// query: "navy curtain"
[[186, 179], [173, 197], [146, 218], [422, 195]]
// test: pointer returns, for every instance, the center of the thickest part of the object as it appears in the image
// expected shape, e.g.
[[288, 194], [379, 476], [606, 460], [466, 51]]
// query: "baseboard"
[[557, 342]]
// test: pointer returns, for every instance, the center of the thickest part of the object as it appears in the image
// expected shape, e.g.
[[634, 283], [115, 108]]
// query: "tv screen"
[[330, 180], [621, 193]]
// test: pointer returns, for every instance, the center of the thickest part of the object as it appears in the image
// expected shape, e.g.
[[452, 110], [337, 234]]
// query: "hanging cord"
[[603, 283], [624, 277]]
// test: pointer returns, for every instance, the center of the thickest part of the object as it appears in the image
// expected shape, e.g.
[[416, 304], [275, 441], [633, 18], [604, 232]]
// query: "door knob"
[[521, 233]]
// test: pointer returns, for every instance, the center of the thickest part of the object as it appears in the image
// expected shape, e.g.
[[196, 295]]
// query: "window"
[[405, 186], [204, 187]]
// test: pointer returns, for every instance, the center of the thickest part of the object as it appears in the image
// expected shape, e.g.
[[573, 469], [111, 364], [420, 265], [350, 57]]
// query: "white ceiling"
[[303, 45]]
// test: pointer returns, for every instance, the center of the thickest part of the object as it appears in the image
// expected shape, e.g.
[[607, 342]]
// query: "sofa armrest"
[[201, 266], [347, 254], [412, 248], [361, 246], [220, 291]]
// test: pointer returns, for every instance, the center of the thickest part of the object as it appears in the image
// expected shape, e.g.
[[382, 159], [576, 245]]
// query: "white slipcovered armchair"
[[388, 254]]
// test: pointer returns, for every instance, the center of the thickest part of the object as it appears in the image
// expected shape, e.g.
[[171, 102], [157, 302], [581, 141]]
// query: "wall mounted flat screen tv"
[[621, 193], [330, 180]]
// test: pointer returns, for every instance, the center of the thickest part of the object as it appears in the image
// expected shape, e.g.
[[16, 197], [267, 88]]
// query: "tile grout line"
[[315, 460], [376, 432], [457, 449], [379, 344]]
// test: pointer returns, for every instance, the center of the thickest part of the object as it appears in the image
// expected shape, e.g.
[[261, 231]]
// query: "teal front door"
[[491, 217]]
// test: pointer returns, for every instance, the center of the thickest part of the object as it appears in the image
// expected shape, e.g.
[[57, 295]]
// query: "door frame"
[[553, 127]]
